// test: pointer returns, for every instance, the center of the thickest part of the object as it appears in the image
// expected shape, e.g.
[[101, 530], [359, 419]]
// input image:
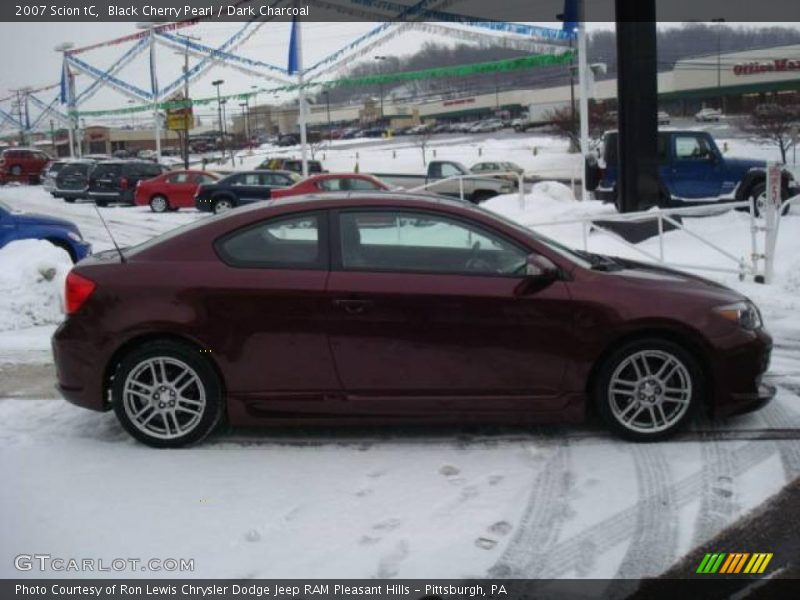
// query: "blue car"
[[692, 171], [15, 225]]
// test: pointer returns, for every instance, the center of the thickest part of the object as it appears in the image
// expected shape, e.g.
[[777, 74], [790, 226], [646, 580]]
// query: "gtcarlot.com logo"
[[47, 562], [734, 563]]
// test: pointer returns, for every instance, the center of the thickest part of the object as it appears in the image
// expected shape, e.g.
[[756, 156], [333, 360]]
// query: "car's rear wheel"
[[647, 390], [159, 204], [222, 205], [15, 170], [758, 193], [69, 199], [167, 395]]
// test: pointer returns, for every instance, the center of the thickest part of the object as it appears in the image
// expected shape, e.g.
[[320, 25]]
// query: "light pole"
[[63, 48], [216, 84], [245, 124], [255, 106], [381, 59], [719, 21], [327, 95], [223, 102]]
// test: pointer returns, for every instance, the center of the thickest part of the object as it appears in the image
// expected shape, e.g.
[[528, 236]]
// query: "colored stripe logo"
[[734, 563]]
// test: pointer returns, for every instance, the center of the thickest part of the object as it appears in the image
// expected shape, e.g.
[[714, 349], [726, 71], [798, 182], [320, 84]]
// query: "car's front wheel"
[[222, 205], [166, 394], [648, 389]]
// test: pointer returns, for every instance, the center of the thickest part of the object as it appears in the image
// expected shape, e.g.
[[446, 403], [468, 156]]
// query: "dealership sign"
[[778, 65]]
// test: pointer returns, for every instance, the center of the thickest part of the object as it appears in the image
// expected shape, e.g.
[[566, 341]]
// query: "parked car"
[[16, 225], [172, 190], [240, 188], [22, 164], [441, 128], [288, 139], [375, 132], [508, 170], [487, 126], [72, 181], [331, 182], [692, 170], [122, 153], [115, 180], [48, 176], [475, 189], [296, 312], [663, 118], [147, 155], [295, 165], [708, 114]]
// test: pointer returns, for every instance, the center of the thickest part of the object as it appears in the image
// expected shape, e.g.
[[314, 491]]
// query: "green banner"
[[497, 66]]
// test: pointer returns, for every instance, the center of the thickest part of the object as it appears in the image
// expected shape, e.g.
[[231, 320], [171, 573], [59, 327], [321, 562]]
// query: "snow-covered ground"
[[554, 502]]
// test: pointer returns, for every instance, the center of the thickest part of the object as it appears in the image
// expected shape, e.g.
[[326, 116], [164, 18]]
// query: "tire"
[[65, 247], [223, 204], [759, 195], [184, 406], [69, 199], [101, 203], [633, 404], [159, 204], [481, 196], [15, 170]]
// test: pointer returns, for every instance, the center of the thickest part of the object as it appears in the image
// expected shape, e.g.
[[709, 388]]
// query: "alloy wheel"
[[650, 391]]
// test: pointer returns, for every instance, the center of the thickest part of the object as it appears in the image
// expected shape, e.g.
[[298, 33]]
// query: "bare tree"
[[773, 123], [421, 141], [600, 120]]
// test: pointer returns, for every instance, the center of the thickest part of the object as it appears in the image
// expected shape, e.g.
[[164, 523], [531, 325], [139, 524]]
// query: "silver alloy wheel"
[[159, 204], [650, 391], [164, 397], [222, 206]]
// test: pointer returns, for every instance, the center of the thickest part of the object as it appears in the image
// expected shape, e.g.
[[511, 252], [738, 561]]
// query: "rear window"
[[82, 168], [56, 167], [110, 170], [610, 149]]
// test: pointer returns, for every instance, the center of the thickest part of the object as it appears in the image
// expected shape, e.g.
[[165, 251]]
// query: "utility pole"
[[185, 150], [68, 94], [327, 95], [381, 59], [719, 21], [217, 84], [53, 137]]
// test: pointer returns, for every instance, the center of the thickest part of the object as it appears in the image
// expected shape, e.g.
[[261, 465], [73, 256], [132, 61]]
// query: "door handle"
[[353, 306]]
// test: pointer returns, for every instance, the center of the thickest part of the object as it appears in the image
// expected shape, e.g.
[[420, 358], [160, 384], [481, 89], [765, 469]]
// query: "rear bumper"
[[79, 372]]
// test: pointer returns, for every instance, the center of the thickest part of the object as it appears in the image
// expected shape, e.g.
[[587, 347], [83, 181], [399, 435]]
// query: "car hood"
[[673, 280], [745, 164], [37, 219]]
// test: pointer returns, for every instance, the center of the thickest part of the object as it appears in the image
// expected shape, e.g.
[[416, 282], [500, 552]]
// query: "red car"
[[332, 182], [22, 163], [308, 312], [172, 190]]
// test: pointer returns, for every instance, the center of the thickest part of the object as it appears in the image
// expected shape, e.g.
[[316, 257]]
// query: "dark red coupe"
[[382, 307]]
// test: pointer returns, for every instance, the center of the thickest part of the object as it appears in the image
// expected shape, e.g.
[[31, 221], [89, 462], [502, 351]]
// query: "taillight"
[[78, 290], [123, 183]]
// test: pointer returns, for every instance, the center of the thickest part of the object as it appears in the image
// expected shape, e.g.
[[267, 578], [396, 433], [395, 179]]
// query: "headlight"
[[744, 314], [74, 236]]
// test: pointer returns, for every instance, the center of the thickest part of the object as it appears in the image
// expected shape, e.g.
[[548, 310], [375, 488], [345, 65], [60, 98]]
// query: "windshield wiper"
[[600, 262]]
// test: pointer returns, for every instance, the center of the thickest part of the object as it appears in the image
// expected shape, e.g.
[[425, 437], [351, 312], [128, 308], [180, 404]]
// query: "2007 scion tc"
[[384, 307]]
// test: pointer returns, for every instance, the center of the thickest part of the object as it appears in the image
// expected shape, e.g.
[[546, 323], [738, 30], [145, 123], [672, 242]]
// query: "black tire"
[[481, 196], [101, 203], [222, 204], [69, 199], [645, 398], [159, 204], [207, 381], [591, 172], [758, 190], [15, 170], [65, 247]]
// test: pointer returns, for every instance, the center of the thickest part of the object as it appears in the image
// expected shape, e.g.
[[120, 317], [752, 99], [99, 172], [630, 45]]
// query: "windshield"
[[574, 256]]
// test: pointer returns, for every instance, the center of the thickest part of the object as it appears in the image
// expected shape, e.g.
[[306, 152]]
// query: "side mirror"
[[540, 267], [540, 272]]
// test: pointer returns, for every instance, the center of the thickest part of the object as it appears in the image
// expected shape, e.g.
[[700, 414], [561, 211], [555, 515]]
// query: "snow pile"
[[32, 274], [547, 201]]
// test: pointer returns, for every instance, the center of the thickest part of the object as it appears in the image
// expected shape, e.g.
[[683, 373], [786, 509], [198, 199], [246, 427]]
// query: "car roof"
[[377, 197]]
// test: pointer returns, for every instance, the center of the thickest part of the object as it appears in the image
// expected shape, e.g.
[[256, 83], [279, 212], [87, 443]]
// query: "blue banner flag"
[[292, 67], [63, 97], [570, 15]]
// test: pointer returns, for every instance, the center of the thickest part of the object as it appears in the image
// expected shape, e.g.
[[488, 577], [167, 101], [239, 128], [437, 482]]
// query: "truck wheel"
[[481, 196], [16, 170], [758, 193]]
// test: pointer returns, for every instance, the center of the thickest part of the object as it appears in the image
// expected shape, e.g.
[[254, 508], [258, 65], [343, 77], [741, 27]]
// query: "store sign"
[[779, 65], [459, 101]]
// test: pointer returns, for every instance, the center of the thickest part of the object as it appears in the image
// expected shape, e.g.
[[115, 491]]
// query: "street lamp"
[[245, 124], [216, 84], [381, 59], [327, 95], [223, 102], [719, 21], [63, 48]]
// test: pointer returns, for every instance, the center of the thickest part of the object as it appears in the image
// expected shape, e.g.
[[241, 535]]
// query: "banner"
[[499, 66]]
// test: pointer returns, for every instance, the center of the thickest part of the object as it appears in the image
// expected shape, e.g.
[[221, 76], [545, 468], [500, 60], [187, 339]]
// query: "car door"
[[269, 307], [249, 187], [427, 318], [180, 188], [695, 172]]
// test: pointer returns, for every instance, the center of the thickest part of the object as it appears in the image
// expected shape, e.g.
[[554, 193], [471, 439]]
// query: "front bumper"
[[738, 373]]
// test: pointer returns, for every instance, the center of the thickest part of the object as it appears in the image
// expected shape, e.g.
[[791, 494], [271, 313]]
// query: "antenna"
[[113, 241]]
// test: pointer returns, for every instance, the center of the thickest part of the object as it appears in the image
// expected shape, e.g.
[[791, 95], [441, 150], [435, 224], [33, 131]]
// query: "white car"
[[487, 126], [663, 118], [708, 114]]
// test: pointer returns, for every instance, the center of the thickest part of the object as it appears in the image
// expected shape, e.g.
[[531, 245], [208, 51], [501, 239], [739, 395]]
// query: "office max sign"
[[777, 65]]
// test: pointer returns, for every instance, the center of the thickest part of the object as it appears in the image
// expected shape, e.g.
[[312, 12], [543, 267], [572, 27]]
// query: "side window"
[[250, 179], [448, 170], [424, 243], [691, 147], [284, 243], [179, 178], [334, 184], [356, 183]]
